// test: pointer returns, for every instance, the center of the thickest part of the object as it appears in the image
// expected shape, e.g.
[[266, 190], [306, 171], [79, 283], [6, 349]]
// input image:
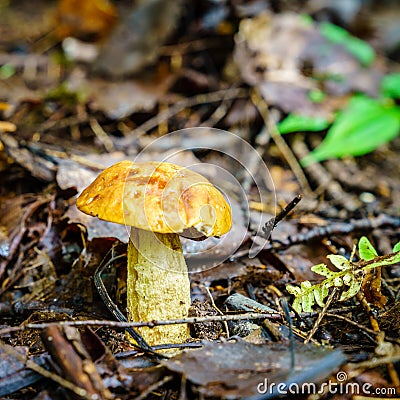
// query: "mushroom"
[[159, 201]]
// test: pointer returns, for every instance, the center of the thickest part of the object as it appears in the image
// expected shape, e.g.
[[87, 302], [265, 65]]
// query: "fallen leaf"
[[136, 41], [14, 375], [120, 99], [273, 51], [236, 369]]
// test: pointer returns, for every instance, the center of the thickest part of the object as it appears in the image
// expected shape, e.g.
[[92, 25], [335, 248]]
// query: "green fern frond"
[[349, 277]]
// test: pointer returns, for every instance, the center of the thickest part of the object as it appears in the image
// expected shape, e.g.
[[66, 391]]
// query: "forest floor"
[[84, 85]]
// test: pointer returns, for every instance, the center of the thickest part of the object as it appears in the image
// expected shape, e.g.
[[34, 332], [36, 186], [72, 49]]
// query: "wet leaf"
[[372, 288], [120, 99], [272, 49], [14, 375], [235, 369]]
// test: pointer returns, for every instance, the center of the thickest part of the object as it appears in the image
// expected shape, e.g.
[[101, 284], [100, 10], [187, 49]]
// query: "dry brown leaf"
[[235, 370], [372, 286], [286, 58], [120, 99]]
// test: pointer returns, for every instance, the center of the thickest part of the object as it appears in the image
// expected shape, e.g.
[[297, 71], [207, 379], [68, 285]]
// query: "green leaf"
[[293, 290], [296, 123], [391, 86], [351, 291], [338, 281], [366, 250], [320, 293], [308, 301], [359, 129], [350, 275], [339, 262], [322, 269], [360, 49], [7, 71], [316, 96], [348, 278], [297, 305]]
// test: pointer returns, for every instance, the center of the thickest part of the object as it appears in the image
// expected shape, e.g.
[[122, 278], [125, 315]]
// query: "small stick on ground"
[[324, 179], [153, 387], [270, 118], [178, 107], [273, 222], [149, 324], [47, 374], [101, 134], [321, 315], [217, 310]]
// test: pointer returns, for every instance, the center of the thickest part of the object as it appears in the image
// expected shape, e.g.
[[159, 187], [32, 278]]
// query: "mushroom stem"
[[158, 286]]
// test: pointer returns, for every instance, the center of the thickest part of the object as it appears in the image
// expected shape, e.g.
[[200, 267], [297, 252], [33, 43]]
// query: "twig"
[[356, 324], [324, 179], [112, 307], [270, 119], [217, 309], [252, 164], [321, 315], [273, 222], [181, 346], [47, 374], [153, 387], [178, 107], [149, 324], [101, 134], [334, 228], [219, 113]]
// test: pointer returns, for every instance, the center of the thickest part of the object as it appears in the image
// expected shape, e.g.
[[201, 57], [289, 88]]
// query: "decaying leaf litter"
[[321, 296]]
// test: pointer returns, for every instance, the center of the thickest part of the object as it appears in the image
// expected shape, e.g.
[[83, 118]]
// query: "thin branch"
[[47, 374], [149, 324], [153, 387], [151, 123], [270, 122], [321, 315]]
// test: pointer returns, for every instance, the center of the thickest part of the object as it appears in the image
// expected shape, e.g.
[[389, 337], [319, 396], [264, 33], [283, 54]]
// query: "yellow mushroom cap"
[[157, 196]]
